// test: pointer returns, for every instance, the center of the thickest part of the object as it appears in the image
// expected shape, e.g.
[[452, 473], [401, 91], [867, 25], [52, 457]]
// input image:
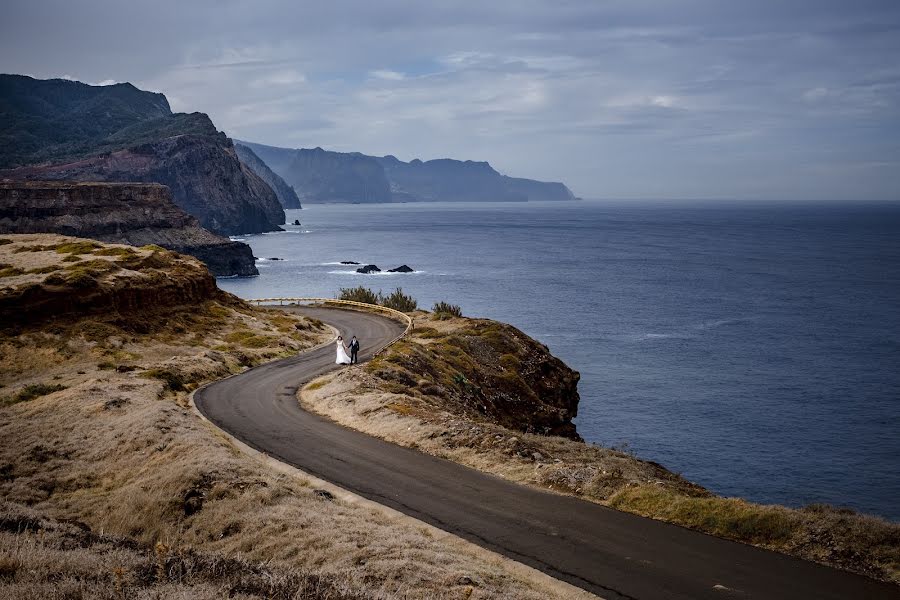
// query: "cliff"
[[135, 214], [285, 193], [48, 276], [482, 370], [65, 130], [323, 176]]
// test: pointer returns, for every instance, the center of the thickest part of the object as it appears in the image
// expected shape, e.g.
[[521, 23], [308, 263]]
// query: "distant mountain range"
[[319, 175]]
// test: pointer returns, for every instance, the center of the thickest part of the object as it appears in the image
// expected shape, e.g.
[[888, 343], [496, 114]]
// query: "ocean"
[[753, 348]]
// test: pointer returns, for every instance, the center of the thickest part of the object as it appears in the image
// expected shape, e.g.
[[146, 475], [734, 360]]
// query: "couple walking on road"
[[342, 358]]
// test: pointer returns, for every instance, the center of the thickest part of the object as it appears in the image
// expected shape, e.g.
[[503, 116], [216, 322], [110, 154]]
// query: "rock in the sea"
[[297, 222], [349, 262], [369, 269], [275, 258], [123, 213], [402, 269]]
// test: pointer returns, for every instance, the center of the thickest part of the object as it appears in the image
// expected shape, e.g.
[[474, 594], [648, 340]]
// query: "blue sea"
[[754, 348]]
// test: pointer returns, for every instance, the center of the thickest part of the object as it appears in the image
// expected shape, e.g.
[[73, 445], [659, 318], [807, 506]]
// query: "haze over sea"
[[754, 348]]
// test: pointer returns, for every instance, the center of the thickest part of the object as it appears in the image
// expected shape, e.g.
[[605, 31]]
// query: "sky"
[[619, 99]]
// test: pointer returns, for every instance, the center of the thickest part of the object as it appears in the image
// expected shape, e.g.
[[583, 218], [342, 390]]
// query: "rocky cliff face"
[[484, 370], [322, 176], [135, 214], [59, 130], [47, 276], [285, 193]]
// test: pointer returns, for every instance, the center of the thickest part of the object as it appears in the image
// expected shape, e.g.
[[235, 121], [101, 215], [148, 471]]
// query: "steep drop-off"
[[66, 130], [135, 214], [285, 193], [46, 276], [323, 176]]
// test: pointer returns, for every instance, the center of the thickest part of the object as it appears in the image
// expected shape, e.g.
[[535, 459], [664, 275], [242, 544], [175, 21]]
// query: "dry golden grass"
[[418, 410], [120, 450]]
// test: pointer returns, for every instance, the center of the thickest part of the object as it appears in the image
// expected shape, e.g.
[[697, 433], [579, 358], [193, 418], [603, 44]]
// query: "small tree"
[[400, 301], [360, 294], [444, 308]]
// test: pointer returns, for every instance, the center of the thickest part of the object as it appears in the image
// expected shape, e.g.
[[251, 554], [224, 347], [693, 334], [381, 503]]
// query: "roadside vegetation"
[[396, 300], [454, 388]]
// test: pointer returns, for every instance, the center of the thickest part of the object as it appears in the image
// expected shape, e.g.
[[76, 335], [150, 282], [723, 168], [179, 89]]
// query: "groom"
[[354, 350]]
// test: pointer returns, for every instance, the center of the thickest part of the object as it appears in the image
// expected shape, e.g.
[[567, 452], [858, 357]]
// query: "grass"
[[396, 300], [30, 392], [444, 308], [77, 247], [7, 270]]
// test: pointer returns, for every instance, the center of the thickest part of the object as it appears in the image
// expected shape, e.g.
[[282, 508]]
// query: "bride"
[[342, 358]]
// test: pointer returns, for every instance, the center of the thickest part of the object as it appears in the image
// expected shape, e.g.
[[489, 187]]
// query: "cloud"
[[618, 99]]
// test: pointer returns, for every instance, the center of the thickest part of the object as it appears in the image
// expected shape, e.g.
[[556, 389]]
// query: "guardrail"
[[394, 313]]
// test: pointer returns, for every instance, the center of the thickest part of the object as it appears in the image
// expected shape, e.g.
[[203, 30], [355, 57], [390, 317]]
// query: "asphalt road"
[[610, 553]]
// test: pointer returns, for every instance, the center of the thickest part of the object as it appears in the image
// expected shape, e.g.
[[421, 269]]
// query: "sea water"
[[754, 348]]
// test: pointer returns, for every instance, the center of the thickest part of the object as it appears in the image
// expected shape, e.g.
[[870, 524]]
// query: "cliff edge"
[[135, 214]]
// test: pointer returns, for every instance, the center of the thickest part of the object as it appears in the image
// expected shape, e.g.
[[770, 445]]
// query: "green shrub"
[[400, 301], [443, 308], [360, 294], [77, 247], [9, 271], [174, 381], [30, 392]]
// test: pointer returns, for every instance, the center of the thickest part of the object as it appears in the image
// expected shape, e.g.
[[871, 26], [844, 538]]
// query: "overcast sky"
[[781, 99]]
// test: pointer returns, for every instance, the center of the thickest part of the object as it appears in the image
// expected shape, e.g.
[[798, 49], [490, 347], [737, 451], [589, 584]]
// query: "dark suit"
[[354, 350]]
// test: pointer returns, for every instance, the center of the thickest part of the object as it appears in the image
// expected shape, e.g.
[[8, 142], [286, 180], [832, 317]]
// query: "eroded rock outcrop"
[[485, 370], [135, 214], [48, 276]]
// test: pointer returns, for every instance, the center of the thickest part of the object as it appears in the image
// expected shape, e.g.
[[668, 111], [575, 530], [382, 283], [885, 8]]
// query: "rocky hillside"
[[467, 181], [46, 276], [285, 193], [485, 370], [323, 176], [135, 214], [66, 130]]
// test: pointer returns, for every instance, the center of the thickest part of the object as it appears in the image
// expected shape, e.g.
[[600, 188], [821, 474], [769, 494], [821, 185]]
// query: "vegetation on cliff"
[[485, 395], [67, 130], [135, 214]]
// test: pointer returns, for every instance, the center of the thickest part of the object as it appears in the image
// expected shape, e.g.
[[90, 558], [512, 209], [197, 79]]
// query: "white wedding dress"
[[342, 358]]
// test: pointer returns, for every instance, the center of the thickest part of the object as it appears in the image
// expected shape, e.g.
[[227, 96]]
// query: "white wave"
[[237, 239], [720, 322], [383, 273]]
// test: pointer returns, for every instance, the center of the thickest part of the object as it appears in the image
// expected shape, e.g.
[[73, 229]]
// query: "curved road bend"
[[610, 553]]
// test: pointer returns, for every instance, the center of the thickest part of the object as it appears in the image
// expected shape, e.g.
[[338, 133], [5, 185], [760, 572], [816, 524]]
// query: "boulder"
[[401, 269], [369, 269], [349, 262], [297, 222]]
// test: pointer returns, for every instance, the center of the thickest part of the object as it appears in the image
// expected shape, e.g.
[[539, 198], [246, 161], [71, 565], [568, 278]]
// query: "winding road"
[[609, 553]]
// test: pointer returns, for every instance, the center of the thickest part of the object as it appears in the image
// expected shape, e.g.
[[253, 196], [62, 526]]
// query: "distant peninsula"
[[321, 176]]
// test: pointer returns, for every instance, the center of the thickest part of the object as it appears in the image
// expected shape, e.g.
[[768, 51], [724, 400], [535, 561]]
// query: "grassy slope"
[[417, 395], [118, 449]]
